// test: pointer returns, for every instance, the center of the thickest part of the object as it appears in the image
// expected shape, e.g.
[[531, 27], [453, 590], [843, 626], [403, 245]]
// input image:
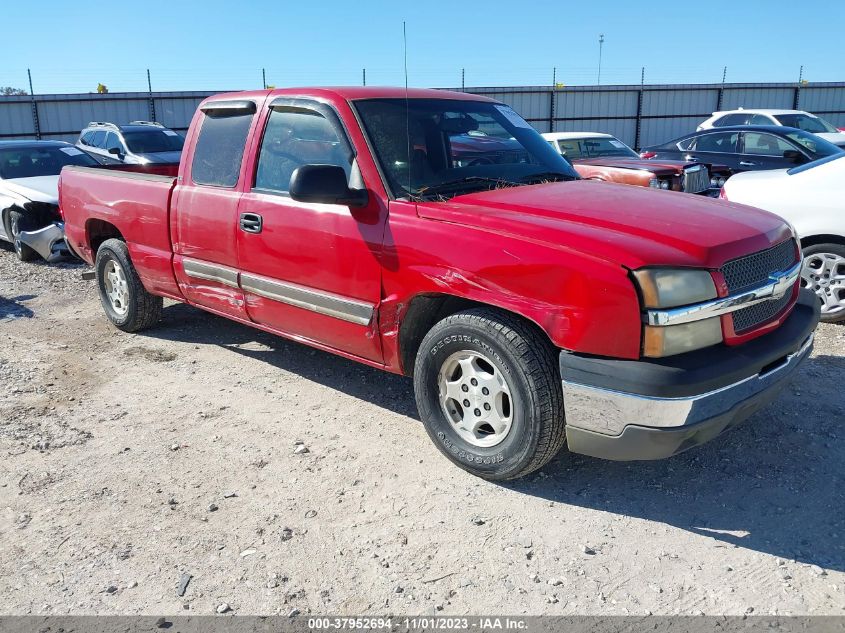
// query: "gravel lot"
[[131, 460]]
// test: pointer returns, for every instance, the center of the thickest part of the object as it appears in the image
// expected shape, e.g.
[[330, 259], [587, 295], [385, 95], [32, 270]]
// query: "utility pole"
[[601, 45]]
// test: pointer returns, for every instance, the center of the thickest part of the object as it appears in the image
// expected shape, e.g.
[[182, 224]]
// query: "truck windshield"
[[433, 149], [811, 124], [38, 160], [153, 141], [596, 147]]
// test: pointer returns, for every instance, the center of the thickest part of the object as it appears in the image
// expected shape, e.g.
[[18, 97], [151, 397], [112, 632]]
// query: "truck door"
[[205, 208], [309, 270]]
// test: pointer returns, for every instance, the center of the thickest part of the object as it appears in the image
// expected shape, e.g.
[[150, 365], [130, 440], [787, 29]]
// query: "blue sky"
[[217, 45]]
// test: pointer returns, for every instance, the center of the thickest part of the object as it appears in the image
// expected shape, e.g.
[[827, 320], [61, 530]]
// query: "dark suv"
[[139, 143]]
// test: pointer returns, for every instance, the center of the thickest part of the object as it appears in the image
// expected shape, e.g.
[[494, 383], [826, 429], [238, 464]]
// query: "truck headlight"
[[670, 288], [659, 183], [660, 341]]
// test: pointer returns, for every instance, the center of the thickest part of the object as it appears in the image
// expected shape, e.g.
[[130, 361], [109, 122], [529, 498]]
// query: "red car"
[[532, 309]]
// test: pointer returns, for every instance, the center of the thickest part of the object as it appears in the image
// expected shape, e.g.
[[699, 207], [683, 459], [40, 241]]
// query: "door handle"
[[251, 222], [746, 163]]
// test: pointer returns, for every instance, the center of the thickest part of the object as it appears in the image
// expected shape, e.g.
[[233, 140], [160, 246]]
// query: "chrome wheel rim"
[[824, 274], [475, 398], [116, 287], [15, 230]]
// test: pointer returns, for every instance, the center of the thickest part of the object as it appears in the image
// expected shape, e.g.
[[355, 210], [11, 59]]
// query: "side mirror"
[[794, 156], [325, 184], [115, 150]]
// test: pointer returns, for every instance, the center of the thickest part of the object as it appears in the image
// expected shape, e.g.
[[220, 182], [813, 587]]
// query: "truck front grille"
[[696, 179], [753, 270]]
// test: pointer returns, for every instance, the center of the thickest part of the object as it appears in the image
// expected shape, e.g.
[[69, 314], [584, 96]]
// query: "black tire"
[[140, 310], [528, 363], [16, 223], [814, 278]]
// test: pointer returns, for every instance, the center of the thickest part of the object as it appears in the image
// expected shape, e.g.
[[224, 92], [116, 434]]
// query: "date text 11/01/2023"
[[478, 623]]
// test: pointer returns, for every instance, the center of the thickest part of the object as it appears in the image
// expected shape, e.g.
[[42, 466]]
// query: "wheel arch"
[[98, 231], [424, 310], [822, 238]]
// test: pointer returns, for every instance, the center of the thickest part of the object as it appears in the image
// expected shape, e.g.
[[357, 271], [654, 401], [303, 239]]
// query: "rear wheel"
[[823, 272], [126, 302], [17, 222], [489, 394]]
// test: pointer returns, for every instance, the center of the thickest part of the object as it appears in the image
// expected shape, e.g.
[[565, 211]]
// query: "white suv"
[[789, 118], [139, 143]]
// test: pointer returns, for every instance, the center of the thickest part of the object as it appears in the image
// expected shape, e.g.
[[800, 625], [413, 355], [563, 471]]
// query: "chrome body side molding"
[[210, 272], [318, 301]]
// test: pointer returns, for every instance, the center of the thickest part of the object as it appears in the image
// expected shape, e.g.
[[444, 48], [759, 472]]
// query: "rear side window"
[[761, 119], [738, 118], [220, 148], [719, 142], [98, 138]]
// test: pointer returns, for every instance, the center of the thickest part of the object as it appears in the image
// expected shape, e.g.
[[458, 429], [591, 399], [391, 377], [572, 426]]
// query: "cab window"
[[295, 137]]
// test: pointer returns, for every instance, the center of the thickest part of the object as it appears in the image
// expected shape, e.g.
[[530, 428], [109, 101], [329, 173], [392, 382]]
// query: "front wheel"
[[126, 302], [17, 223], [489, 394], [823, 272]]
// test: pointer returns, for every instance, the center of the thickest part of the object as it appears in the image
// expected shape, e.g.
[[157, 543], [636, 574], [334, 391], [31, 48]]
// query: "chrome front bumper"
[[625, 425], [48, 242]]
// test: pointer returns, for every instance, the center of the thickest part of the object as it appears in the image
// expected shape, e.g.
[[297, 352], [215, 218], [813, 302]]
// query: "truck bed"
[[136, 205]]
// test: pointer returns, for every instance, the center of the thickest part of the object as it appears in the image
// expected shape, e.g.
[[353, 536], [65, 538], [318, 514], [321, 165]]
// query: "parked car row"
[[783, 161], [29, 176]]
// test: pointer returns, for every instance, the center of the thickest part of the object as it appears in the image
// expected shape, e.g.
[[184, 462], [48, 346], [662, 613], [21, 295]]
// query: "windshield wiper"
[[457, 185], [547, 176]]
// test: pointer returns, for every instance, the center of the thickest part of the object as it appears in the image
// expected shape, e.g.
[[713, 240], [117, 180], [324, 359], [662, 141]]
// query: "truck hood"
[[630, 226], [36, 189]]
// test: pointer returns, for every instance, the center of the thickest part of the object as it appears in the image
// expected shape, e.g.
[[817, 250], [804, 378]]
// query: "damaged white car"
[[29, 205]]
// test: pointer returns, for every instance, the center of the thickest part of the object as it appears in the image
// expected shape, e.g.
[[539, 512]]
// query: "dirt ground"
[[129, 461]]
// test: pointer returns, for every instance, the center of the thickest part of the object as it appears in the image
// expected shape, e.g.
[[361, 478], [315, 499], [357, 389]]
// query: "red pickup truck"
[[532, 309]]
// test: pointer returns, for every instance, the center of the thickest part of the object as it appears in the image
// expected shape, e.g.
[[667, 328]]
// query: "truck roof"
[[352, 93]]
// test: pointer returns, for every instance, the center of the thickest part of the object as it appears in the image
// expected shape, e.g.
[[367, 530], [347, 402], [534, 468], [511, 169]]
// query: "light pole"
[[601, 43]]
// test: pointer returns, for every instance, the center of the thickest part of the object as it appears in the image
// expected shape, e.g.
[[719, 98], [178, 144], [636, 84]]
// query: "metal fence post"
[[36, 124], [638, 131], [721, 95], [152, 102], [796, 97], [552, 101]]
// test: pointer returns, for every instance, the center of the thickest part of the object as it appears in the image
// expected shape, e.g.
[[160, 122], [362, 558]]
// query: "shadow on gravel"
[[13, 308], [775, 484], [186, 324]]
